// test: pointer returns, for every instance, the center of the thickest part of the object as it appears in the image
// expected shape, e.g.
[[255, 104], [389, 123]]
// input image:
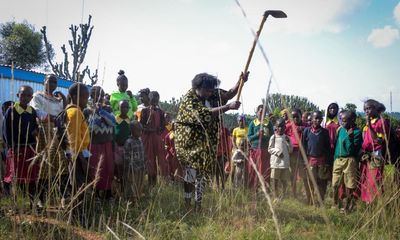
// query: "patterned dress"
[[196, 133], [101, 124]]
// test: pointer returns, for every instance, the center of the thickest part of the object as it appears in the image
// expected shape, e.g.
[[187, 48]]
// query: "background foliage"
[[22, 45]]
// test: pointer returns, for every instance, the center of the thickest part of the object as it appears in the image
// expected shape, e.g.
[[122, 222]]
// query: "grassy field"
[[228, 214]]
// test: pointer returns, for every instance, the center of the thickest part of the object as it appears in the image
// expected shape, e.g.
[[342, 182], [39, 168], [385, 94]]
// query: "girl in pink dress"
[[372, 161]]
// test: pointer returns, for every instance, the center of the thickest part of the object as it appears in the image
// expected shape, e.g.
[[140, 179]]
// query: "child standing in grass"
[[77, 134], [317, 147], [20, 131], [332, 125], [240, 132], [134, 163], [372, 162], [101, 124], [294, 130], [258, 135], [53, 167], [239, 160], [153, 121], [4, 107], [224, 151], [280, 148], [175, 167], [123, 94], [348, 146], [121, 134]]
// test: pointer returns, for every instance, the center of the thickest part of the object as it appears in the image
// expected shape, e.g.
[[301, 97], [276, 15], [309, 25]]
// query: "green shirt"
[[117, 97], [122, 131], [348, 146], [254, 128]]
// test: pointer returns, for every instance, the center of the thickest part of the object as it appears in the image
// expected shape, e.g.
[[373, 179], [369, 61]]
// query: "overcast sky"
[[328, 51]]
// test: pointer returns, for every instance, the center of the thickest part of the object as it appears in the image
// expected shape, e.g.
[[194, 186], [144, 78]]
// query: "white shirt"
[[280, 147], [45, 104]]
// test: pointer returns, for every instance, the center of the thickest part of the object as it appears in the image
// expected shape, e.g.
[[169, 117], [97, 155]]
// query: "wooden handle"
[[250, 57]]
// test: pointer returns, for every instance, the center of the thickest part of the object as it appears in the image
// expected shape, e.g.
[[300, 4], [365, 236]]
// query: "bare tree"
[[78, 45]]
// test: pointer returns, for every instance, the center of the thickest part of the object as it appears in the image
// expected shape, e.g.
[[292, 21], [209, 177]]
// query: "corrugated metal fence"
[[11, 80]]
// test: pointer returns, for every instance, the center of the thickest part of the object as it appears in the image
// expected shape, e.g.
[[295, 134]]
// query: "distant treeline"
[[275, 104]]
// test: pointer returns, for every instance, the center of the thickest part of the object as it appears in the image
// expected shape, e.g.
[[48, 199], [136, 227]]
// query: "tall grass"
[[229, 214], [234, 213]]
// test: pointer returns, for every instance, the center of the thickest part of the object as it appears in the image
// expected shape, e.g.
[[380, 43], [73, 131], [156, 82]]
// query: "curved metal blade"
[[275, 13]]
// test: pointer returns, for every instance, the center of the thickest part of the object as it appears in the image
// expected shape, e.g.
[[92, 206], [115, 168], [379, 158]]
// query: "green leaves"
[[21, 44], [277, 102]]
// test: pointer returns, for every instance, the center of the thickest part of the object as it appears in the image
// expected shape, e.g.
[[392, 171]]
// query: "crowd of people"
[[56, 145]]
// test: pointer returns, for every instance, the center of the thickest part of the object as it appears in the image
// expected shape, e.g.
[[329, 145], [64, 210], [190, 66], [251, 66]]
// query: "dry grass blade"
[[268, 197], [112, 232], [394, 197], [131, 228]]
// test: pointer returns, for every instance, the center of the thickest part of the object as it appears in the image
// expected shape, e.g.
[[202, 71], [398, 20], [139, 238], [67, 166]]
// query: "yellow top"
[[257, 122], [119, 120], [239, 133], [373, 121], [284, 111], [77, 129], [333, 120]]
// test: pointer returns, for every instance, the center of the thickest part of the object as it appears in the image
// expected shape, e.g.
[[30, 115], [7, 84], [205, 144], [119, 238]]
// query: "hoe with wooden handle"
[[273, 13]]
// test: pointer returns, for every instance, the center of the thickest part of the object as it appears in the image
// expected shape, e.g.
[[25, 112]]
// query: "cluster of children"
[[110, 139], [288, 149], [107, 144]]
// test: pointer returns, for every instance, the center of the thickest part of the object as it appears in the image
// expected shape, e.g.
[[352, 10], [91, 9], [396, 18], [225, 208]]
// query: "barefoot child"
[[20, 131], [280, 148], [134, 163], [348, 146]]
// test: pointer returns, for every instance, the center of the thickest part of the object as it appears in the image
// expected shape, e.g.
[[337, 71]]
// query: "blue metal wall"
[[9, 87]]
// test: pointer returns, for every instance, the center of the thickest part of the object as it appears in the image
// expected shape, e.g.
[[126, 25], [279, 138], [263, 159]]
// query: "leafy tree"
[[281, 101], [78, 45], [22, 45], [350, 107], [171, 107], [229, 119]]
